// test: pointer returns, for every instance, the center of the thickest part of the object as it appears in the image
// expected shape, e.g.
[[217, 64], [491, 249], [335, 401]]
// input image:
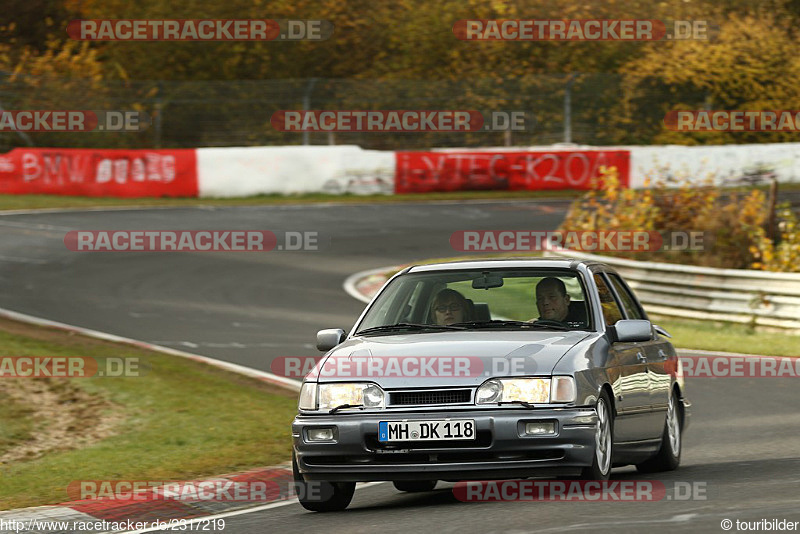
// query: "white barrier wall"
[[235, 172], [723, 162]]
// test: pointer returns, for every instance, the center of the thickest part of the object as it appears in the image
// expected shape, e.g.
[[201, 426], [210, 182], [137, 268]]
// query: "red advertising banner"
[[99, 172], [422, 172]]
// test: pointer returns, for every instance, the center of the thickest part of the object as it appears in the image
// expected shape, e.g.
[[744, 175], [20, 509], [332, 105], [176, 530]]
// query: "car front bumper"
[[501, 449]]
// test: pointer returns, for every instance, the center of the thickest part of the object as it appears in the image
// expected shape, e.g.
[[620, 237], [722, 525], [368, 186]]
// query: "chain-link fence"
[[579, 108]]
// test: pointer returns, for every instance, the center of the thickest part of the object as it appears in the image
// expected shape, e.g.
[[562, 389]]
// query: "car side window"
[[611, 311], [632, 310]]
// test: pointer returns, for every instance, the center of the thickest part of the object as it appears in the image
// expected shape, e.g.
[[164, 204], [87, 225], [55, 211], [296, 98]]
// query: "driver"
[[552, 301]]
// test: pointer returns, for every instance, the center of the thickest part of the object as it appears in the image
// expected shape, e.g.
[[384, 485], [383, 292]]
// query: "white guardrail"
[[760, 298]]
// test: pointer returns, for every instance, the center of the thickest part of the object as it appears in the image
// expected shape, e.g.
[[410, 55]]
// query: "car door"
[[659, 353], [628, 374]]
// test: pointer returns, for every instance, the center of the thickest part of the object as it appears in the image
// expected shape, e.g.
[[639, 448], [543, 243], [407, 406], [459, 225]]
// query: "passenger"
[[448, 307]]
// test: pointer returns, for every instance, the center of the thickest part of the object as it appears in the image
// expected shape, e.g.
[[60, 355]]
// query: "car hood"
[[443, 359]]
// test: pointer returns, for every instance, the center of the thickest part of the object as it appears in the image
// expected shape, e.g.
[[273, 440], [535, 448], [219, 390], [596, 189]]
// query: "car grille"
[[425, 397]]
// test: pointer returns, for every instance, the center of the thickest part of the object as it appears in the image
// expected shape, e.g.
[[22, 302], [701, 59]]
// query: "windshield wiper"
[[343, 407], [544, 323], [407, 326], [521, 403]]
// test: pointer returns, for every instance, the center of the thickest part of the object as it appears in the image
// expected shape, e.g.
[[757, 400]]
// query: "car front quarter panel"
[[588, 362]]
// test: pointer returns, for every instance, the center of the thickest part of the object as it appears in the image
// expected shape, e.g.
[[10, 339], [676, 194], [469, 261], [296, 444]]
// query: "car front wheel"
[[669, 455], [322, 496], [604, 430]]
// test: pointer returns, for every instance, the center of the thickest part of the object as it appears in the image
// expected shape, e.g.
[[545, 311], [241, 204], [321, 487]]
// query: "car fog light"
[[540, 427], [320, 434]]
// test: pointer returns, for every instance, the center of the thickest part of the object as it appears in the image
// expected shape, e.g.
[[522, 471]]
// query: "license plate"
[[426, 430]]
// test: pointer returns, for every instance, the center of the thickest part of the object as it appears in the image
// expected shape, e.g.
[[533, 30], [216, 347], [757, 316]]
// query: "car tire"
[[668, 457], [414, 486], [604, 440], [322, 496]]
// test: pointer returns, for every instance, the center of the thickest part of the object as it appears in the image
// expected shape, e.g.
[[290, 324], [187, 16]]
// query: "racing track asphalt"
[[249, 308]]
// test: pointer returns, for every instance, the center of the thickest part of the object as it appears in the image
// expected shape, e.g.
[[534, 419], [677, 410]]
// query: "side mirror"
[[329, 338], [633, 330]]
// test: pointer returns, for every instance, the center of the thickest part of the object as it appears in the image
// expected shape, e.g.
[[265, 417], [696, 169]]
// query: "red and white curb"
[[365, 285], [153, 509]]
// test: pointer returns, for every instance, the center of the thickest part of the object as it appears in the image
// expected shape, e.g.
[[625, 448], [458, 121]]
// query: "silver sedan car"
[[481, 370]]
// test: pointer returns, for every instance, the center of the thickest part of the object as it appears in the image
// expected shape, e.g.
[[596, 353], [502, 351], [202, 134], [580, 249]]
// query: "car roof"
[[504, 263]]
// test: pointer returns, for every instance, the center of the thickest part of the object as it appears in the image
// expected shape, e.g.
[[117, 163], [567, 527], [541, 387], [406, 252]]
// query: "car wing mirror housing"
[[633, 330], [329, 338], [660, 331]]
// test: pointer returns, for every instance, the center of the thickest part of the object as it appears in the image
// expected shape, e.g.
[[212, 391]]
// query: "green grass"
[[728, 337], [179, 421], [15, 423], [15, 202]]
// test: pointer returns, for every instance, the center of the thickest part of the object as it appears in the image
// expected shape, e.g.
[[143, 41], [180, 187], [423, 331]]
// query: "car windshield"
[[516, 299]]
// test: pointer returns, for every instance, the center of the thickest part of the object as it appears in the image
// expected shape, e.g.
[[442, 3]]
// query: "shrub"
[[783, 254], [732, 222]]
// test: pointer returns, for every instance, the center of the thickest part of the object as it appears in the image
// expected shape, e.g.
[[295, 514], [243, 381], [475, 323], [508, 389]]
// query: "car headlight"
[[531, 390], [355, 394], [491, 391]]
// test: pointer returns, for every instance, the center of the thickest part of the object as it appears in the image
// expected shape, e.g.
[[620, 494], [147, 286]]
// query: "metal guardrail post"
[[568, 108], [307, 104]]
